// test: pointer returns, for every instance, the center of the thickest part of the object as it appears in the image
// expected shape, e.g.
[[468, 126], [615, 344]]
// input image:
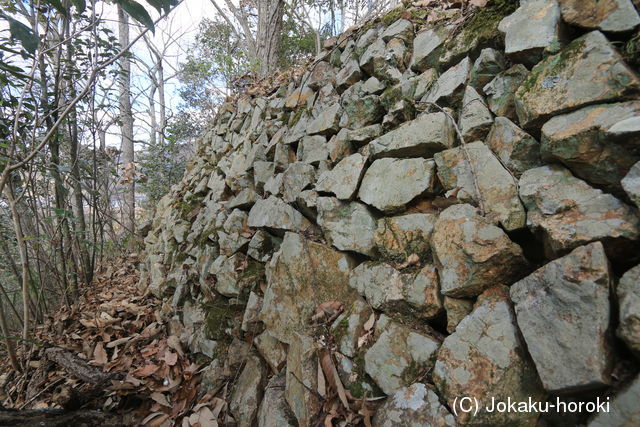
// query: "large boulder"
[[389, 184], [569, 213], [472, 254], [628, 292], [399, 356], [475, 118], [450, 85], [517, 150], [605, 15], [427, 46], [302, 275], [398, 237], [482, 172], [577, 139], [413, 406], [587, 71], [569, 296], [421, 137], [485, 359], [344, 178], [276, 215], [347, 226], [534, 29]]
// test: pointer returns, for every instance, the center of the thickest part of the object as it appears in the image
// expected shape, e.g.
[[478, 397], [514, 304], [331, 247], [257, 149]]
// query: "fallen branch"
[[58, 417], [77, 366]]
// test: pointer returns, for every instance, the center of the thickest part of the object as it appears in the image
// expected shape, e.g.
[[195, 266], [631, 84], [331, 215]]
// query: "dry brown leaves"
[[118, 329]]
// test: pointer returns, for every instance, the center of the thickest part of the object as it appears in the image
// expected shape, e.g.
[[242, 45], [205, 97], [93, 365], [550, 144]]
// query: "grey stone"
[[577, 139], [413, 406], [248, 392], [382, 285], [349, 327], [624, 408], [498, 188], [362, 111], [275, 214], [569, 296], [579, 75], [373, 86], [252, 310], [339, 146], [365, 134], [344, 178], [472, 254], [628, 293], [533, 30], [607, 15], [422, 137], [272, 351], [243, 200], [398, 237], [302, 378], [569, 213], [327, 122], [313, 149], [486, 67], [399, 355], [447, 91], [296, 178], [274, 411], [427, 46], [302, 275], [347, 226], [424, 82], [230, 281], [517, 150], [484, 359], [262, 245], [631, 184], [401, 29], [423, 293], [475, 118], [457, 309], [389, 184], [501, 91]]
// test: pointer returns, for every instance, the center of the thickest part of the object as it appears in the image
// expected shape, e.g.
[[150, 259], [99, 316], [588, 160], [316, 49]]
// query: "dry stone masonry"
[[443, 205]]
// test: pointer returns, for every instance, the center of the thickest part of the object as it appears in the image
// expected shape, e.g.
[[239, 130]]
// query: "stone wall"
[[446, 204]]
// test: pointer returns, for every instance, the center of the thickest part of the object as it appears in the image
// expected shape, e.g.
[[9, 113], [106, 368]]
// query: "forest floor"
[[110, 354]]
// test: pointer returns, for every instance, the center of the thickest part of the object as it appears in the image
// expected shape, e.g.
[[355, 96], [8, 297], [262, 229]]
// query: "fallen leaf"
[[145, 371], [170, 358], [161, 399], [370, 322], [100, 354]]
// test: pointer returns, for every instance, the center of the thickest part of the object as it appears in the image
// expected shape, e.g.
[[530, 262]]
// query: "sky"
[[181, 24]]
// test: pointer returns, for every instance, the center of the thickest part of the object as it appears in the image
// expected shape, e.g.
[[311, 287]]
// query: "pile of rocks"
[[474, 187]]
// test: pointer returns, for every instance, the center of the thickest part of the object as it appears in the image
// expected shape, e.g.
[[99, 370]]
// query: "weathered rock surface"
[[347, 226], [472, 254], [302, 275], [587, 71], [399, 355], [457, 309], [274, 411], [426, 48], [497, 187], [349, 326], [628, 293], [413, 406], [389, 184], [624, 410], [296, 178], [275, 214], [605, 15], [302, 378], [485, 358], [398, 237], [631, 184], [381, 284], [486, 67], [475, 118], [569, 213], [450, 85], [248, 391], [569, 296], [343, 180], [580, 141], [517, 150], [421, 137], [533, 30], [501, 91]]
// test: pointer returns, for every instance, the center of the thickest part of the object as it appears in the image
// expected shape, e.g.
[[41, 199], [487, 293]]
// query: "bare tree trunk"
[[126, 120], [7, 340], [268, 36], [22, 250]]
